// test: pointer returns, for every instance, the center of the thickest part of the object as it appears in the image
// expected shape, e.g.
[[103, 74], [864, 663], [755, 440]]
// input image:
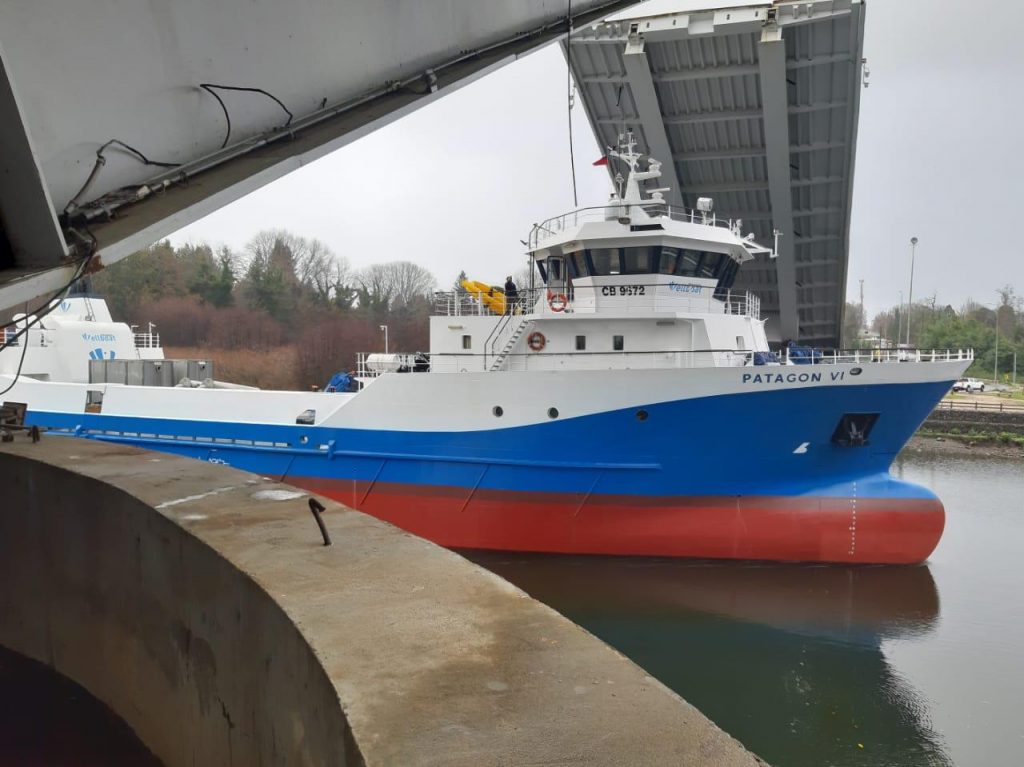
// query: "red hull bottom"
[[776, 528]]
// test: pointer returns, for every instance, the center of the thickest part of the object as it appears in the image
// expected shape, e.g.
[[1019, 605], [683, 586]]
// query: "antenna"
[[569, 96]]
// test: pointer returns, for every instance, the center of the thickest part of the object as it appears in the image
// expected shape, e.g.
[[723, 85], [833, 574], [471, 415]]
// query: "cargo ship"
[[628, 402]]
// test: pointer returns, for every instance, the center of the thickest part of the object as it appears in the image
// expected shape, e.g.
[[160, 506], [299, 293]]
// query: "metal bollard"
[[316, 507]]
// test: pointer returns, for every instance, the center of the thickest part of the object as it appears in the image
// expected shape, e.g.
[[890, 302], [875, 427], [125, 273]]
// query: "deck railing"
[[556, 226], [615, 297], [647, 360], [810, 356], [147, 340]]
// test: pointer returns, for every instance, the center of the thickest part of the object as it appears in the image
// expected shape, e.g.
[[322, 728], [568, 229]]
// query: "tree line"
[[937, 326], [282, 290]]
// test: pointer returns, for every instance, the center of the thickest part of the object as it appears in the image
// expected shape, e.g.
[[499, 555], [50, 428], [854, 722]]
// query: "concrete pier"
[[201, 605]]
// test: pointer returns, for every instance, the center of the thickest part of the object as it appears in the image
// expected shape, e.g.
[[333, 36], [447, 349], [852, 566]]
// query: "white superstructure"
[[635, 283], [60, 346]]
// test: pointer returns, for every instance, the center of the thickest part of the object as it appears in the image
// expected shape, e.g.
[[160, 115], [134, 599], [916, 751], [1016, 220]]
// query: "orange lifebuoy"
[[536, 341], [558, 302]]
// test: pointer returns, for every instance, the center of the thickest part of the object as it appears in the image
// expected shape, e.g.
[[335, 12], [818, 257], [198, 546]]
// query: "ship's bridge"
[[753, 104], [630, 240]]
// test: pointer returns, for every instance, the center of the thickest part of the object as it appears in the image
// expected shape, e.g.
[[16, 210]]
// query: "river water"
[[827, 665]]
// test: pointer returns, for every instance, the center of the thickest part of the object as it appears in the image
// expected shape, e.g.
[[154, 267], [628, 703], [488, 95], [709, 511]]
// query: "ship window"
[[709, 267], [618, 343], [740, 343], [579, 264], [728, 274], [689, 262], [555, 268], [581, 343], [727, 278], [637, 260], [605, 261], [467, 342], [667, 262], [543, 271]]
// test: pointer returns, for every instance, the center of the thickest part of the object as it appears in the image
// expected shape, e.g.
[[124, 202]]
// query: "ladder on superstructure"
[[519, 324]]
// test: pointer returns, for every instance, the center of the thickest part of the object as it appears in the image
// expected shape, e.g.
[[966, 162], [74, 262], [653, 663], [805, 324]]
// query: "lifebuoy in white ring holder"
[[536, 341], [558, 302]]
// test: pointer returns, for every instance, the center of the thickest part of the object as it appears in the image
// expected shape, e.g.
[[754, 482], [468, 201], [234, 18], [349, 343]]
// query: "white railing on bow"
[[801, 355]]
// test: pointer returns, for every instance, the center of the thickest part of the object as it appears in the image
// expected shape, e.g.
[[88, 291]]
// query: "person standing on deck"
[[511, 295]]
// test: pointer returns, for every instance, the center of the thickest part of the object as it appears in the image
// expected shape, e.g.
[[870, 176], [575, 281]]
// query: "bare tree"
[[383, 287], [410, 281], [321, 272]]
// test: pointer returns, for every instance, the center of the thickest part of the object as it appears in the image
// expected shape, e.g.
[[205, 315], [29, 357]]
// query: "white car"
[[969, 385]]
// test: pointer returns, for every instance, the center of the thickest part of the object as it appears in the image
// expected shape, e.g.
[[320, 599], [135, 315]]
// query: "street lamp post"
[[899, 322], [910, 295], [385, 329], [995, 361]]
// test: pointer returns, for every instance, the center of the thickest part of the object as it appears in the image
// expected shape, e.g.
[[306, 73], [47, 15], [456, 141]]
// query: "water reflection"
[[787, 658]]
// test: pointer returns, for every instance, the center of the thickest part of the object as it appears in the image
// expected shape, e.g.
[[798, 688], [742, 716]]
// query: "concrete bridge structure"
[[121, 124], [200, 604], [755, 105]]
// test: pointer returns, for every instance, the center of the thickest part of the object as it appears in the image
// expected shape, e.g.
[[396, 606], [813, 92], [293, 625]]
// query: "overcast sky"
[[457, 184]]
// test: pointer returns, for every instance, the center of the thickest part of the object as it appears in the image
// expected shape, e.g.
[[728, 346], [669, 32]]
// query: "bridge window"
[[604, 261], [667, 261], [637, 260], [709, 266], [728, 274], [578, 264], [689, 263]]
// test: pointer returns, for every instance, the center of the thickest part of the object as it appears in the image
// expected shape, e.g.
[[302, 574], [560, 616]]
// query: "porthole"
[[498, 412], [552, 412], [641, 415], [303, 439], [856, 371]]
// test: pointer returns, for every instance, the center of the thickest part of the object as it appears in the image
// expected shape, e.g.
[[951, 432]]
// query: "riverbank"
[[980, 445]]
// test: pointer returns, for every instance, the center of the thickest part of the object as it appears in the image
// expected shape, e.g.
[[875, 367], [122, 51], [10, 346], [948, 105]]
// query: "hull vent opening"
[[854, 429]]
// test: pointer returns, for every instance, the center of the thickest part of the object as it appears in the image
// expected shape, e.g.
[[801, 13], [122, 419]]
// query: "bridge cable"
[[52, 303], [212, 89], [101, 160]]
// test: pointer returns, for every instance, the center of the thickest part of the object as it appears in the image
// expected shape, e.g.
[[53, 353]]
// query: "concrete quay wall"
[[965, 419], [199, 603]]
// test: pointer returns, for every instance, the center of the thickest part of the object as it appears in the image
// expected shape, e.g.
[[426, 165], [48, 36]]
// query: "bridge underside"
[[207, 102], [756, 106]]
